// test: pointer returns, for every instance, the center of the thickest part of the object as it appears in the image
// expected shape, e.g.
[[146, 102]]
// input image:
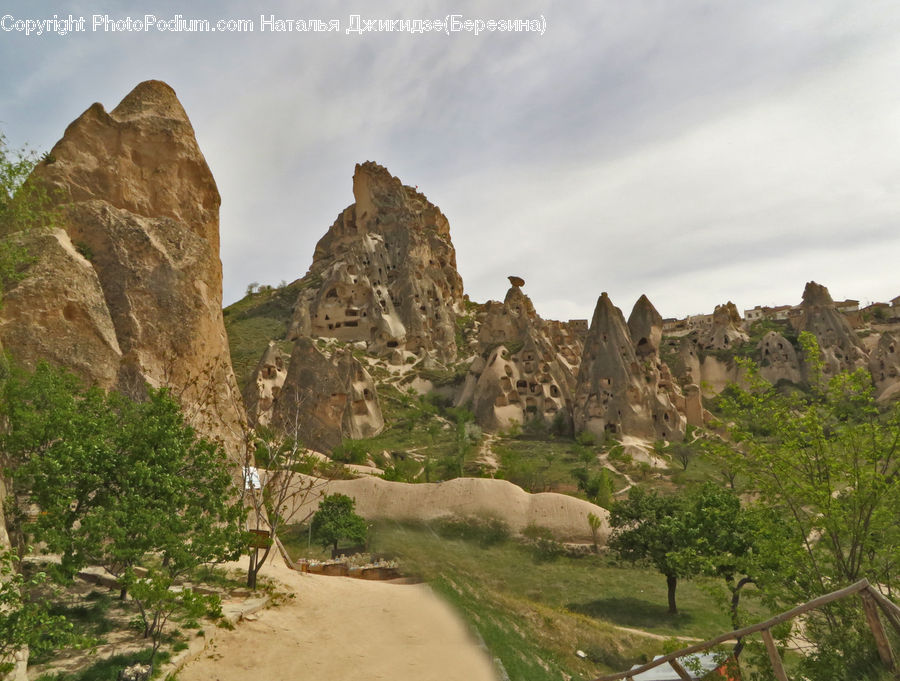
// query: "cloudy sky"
[[696, 151]]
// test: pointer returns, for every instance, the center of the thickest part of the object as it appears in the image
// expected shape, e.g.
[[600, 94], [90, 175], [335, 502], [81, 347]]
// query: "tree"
[[24, 619], [335, 521], [826, 465], [23, 206], [116, 479], [651, 528], [280, 489]]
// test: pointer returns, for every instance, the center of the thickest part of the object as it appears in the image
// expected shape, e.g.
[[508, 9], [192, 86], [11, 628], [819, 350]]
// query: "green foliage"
[[597, 487], [24, 206], [25, 618], [158, 602], [335, 521], [351, 451], [116, 479], [827, 466], [484, 531]]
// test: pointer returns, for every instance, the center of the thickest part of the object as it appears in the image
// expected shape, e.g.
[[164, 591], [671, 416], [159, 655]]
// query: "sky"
[[693, 151]]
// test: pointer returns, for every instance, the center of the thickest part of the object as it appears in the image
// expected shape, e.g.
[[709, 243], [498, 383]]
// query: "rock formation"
[[645, 328], [725, 332], [841, 349], [612, 394], [265, 385], [884, 363], [525, 370], [321, 400], [565, 516], [778, 359], [385, 273], [132, 291]]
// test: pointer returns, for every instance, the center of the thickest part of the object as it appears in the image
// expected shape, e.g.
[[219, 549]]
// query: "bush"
[[485, 531], [351, 451]]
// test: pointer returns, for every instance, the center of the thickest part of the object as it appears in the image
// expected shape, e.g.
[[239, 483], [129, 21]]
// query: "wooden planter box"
[[334, 570]]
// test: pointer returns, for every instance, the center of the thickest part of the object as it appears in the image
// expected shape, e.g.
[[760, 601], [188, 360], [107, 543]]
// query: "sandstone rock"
[[778, 359], [841, 349], [265, 386], [322, 399], [645, 327], [884, 363], [725, 332], [516, 281], [612, 396], [57, 312], [564, 515], [146, 305], [524, 371], [385, 272]]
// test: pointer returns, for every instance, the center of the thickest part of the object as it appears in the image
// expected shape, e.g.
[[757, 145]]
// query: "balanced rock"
[[135, 294], [612, 394], [323, 399], [841, 349], [523, 372], [385, 273]]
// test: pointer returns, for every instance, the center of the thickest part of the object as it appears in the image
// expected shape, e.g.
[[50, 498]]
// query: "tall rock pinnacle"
[[385, 273], [139, 256]]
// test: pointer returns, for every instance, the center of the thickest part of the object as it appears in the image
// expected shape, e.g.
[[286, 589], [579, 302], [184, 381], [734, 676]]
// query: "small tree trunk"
[[251, 571], [671, 583], [123, 592]]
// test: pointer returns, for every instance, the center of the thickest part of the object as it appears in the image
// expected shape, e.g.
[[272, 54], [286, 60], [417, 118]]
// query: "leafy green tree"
[[158, 602], [335, 521], [116, 479], [23, 206], [24, 619], [826, 464], [654, 529]]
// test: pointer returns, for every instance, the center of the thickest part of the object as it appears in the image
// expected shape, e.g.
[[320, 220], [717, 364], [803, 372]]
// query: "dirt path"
[[340, 628]]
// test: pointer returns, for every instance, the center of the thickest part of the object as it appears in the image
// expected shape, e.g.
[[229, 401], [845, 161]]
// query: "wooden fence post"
[[881, 639], [676, 665], [774, 657]]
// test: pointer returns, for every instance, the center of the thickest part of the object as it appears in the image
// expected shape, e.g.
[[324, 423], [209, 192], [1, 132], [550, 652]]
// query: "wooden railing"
[[872, 601]]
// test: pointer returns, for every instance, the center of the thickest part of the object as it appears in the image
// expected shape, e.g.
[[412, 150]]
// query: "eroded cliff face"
[[130, 290], [526, 368], [619, 391], [322, 399], [385, 273], [841, 349], [884, 363]]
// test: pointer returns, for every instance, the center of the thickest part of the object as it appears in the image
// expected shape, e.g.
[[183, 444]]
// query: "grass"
[[108, 669], [255, 320], [534, 614]]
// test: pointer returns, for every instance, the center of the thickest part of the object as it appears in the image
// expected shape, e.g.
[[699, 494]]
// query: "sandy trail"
[[341, 628]]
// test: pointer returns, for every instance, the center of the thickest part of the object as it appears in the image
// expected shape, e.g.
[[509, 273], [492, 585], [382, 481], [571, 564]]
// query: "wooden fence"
[[872, 601]]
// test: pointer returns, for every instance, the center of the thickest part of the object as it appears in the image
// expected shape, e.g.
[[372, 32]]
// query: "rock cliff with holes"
[[884, 363], [645, 327], [841, 348], [725, 332], [778, 359], [526, 366], [315, 398], [620, 391], [384, 274], [129, 290]]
